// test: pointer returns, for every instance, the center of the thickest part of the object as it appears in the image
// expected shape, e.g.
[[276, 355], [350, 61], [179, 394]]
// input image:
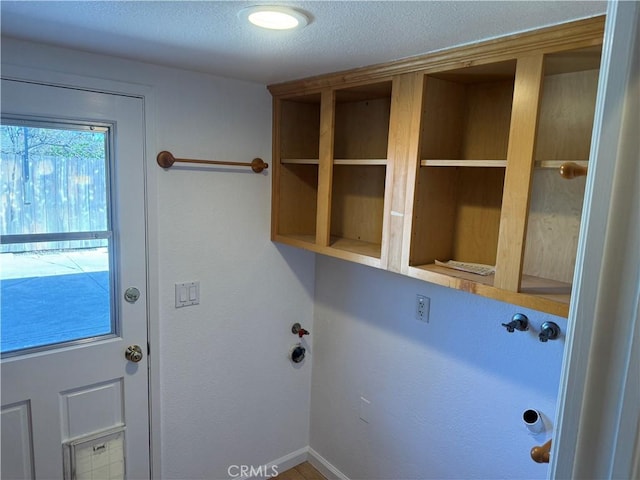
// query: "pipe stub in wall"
[[297, 353], [533, 421]]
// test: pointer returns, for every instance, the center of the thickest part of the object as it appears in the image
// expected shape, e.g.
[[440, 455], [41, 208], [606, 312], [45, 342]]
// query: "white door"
[[73, 242]]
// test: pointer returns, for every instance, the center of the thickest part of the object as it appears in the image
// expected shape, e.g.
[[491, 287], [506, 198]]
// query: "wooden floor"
[[304, 471]]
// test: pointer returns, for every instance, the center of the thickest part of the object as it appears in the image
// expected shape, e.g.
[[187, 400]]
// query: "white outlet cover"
[[423, 304]]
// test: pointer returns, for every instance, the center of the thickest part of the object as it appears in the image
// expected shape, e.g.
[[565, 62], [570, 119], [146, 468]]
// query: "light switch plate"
[[187, 294]]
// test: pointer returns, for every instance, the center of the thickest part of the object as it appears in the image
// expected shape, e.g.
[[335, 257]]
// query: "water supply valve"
[[518, 322], [549, 331], [297, 329]]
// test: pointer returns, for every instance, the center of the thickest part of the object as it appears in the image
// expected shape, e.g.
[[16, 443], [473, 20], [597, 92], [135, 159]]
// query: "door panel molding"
[[17, 450]]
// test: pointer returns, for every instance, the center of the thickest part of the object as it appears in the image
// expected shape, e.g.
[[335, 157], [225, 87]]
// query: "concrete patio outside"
[[53, 297]]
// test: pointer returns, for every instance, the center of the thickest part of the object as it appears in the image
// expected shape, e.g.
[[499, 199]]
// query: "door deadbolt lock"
[[132, 294], [133, 353]]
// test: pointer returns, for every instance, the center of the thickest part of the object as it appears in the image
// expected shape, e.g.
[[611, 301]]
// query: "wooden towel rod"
[[166, 160], [572, 170], [542, 453]]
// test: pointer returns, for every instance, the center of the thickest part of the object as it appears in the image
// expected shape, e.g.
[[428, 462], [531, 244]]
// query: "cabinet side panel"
[[325, 167], [402, 161], [434, 215], [520, 158], [275, 172], [478, 215]]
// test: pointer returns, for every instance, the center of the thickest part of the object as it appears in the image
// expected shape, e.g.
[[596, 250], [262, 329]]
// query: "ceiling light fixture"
[[274, 17]]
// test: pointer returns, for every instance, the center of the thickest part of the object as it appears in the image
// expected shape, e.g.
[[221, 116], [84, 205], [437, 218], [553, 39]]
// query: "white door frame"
[[598, 415], [145, 93]]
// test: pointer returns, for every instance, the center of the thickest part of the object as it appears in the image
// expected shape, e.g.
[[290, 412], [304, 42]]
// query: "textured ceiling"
[[209, 37]]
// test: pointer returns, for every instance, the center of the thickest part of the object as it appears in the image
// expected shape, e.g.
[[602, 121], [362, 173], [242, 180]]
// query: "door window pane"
[[56, 280]]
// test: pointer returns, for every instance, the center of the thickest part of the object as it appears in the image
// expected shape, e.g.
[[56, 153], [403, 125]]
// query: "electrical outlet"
[[422, 308]]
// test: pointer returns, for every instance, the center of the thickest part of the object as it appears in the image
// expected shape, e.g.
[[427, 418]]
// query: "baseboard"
[[305, 454], [323, 466], [290, 460]]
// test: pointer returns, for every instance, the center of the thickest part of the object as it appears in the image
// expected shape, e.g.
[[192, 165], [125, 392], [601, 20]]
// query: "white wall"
[[228, 394], [446, 397]]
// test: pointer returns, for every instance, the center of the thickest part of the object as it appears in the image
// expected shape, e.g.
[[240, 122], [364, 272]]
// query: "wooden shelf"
[[299, 161], [537, 293], [495, 163], [299, 238], [356, 246], [462, 163], [364, 161], [337, 161], [556, 164], [432, 268]]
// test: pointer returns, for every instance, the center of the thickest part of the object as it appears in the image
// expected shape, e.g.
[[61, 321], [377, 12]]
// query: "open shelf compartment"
[[361, 138], [456, 215], [357, 205], [466, 116], [565, 125], [362, 122], [299, 140]]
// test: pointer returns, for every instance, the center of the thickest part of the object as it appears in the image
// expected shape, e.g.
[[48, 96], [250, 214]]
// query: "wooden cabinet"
[[331, 170], [488, 189], [453, 155]]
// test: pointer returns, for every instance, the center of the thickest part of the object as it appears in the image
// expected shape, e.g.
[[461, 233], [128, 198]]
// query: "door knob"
[[133, 353]]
